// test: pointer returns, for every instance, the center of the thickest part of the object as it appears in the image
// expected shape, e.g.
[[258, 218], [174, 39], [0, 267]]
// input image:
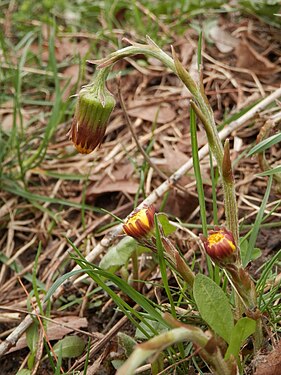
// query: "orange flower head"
[[219, 244], [140, 223]]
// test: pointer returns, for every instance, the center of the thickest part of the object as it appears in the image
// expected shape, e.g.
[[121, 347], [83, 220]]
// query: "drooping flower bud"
[[140, 223], [220, 245], [93, 109]]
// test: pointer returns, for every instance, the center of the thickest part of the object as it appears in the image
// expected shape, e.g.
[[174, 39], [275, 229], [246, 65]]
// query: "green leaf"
[[116, 363], [271, 171], [23, 371], [197, 171], [70, 347], [127, 343], [167, 227], [256, 253], [158, 327], [98, 275], [213, 306], [32, 336], [257, 224], [118, 255], [60, 281], [163, 266], [242, 330], [265, 144]]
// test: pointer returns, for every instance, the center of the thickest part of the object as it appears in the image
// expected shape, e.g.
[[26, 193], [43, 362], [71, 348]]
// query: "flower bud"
[[220, 245], [140, 223], [93, 109], [226, 164]]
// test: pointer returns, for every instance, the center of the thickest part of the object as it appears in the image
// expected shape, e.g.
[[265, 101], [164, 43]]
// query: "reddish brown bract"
[[219, 244]]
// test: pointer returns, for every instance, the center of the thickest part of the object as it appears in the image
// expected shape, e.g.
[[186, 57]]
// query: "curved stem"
[[200, 105], [156, 344]]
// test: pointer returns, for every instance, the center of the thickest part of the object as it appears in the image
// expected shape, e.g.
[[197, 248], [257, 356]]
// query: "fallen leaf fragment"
[[120, 179], [270, 364], [223, 40], [249, 58], [56, 330], [161, 113], [108, 186]]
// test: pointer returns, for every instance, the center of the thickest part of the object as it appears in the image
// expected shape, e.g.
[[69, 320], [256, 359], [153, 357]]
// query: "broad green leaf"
[[116, 363], [167, 227], [70, 347], [127, 343], [242, 330], [32, 335], [23, 371], [213, 306], [118, 255]]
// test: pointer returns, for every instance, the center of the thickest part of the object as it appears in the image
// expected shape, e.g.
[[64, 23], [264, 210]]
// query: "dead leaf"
[[223, 40], [8, 120], [186, 52], [5, 209], [249, 58], [56, 330], [161, 113], [270, 364], [64, 48], [180, 204], [107, 186], [119, 180], [174, 158]]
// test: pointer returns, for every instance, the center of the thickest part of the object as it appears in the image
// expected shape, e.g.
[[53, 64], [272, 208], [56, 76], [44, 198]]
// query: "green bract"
[[94, 106]]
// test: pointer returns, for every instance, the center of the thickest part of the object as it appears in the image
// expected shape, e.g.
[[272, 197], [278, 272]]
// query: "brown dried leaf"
[[63, 48], [186, 52], [249, 58], [181, 204], [174, 158], [224, 41], [5, 209], [55, 331], [107, 186], [8, 120], [270, 364], [120, 180], [161, 113]]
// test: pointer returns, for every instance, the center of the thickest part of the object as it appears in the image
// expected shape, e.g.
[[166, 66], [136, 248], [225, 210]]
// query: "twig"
[[158, 192]]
